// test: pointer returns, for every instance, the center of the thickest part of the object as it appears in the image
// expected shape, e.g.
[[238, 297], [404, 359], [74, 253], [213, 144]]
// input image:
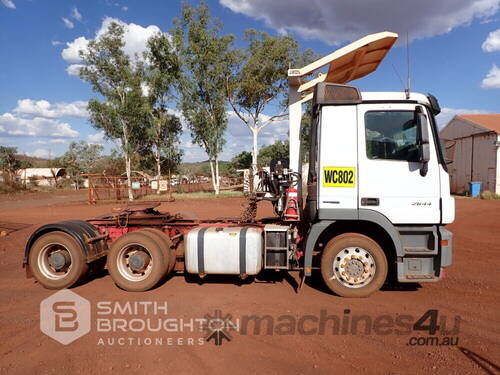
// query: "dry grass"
[[489, 195]]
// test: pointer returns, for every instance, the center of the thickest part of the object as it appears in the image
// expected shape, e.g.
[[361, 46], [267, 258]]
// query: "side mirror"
[[423, 139]]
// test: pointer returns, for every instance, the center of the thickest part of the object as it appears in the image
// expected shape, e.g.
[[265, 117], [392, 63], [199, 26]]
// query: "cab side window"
[[391, 135]]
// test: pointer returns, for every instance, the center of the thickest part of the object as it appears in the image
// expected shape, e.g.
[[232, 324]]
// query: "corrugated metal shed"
[[472, 142]]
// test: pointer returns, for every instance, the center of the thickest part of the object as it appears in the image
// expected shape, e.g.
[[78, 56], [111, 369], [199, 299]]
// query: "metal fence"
[[115, 188]]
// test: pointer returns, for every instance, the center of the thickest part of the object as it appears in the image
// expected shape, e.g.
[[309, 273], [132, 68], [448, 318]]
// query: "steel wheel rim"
[[44, 264], [123, 262], [353, 267]]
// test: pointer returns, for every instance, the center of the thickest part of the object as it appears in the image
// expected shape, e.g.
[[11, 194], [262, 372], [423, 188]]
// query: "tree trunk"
[[212, 171], [158, 168], [128, 162], [255, 152], [217, 180], [128, 167]]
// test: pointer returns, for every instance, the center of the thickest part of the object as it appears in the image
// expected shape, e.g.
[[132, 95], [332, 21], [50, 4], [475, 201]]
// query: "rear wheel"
[[162, 239], [56, 261], [136, 262], [353, 265]]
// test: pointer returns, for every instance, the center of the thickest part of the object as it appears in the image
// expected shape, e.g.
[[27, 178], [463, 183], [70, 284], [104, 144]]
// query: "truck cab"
[[377, 168], [378, 193]]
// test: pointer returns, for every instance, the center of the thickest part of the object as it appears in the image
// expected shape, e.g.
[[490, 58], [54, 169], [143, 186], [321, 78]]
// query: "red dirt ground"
[[470, 291]]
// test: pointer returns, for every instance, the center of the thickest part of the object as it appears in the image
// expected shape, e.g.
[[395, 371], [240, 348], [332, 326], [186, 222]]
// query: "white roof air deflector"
[[346, 64]]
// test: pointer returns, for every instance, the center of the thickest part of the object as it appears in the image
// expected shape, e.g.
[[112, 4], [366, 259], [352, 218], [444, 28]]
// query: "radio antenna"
[[408, 88], [399, 76]]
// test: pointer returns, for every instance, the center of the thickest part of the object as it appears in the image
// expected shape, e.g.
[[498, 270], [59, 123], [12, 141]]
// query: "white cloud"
[[492, 80], [76, 14], [40, 153], [68, 23], [492, 42], [135, 38], [12, 125], [74, 69], [96, 138], [124, 8], [338, 21], [56, 43], [72, 53], [50, 141], [9, 4], [448, 113], [43, 108]]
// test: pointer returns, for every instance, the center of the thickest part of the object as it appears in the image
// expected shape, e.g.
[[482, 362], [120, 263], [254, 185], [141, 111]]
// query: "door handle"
[[370, 201]]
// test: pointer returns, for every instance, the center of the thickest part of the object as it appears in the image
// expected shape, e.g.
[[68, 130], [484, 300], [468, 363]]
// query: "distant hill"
[[201, 168], [36, 162]]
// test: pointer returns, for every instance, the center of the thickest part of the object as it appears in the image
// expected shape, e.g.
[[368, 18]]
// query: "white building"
[[473, 144], [42, 176]]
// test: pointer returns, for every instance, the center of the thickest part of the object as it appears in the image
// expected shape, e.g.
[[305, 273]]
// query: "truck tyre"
[[353, 265], [57, 261], [164, 241], [136, 262]]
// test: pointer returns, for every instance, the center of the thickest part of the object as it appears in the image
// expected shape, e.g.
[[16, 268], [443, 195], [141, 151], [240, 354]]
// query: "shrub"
[[489, 195]]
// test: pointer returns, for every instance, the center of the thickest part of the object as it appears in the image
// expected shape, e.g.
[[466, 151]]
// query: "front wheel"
[[353, 265]]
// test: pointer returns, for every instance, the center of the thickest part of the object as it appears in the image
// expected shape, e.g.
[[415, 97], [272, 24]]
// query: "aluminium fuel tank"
[[224, 250]]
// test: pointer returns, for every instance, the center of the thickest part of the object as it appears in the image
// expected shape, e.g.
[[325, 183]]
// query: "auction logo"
[[65, 316], [218, 327]]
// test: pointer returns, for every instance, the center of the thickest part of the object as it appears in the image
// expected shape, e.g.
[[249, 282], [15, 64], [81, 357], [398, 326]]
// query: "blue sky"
[[454, 50]]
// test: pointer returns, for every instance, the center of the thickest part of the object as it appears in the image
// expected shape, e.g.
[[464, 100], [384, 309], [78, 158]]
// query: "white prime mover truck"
[[376, 204]]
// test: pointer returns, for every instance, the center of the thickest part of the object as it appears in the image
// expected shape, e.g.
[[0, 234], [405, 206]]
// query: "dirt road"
[[469, 292]]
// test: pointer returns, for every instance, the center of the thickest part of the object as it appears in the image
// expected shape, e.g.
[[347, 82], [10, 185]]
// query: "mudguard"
[[80, 230]]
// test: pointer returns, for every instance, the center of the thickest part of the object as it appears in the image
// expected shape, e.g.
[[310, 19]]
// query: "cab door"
[[392, 179]]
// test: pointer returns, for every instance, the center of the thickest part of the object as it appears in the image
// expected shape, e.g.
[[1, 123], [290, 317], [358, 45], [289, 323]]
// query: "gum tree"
[[259, 80], [206, 56], [80, 158], [9, 164], [161, 71], [116, 78]]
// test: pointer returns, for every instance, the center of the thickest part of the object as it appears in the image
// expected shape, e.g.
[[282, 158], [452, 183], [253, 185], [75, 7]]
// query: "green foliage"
[[259, 79], [110, 165], [206, 56], [261, 71], [278, 150], [305, 131], [9, 164], [161, 75], [81, 157], [201, 168], [118, 80], [242, 161], [8, 160]]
